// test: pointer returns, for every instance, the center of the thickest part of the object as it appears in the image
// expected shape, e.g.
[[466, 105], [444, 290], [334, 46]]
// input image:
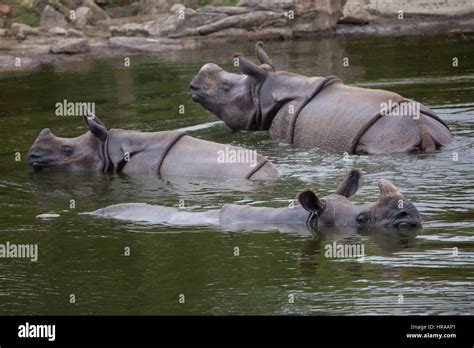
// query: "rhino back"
[[157, 214], [174, 153], [401, 134], [337, 117], [234, 214], [196, 157], [146, 151]]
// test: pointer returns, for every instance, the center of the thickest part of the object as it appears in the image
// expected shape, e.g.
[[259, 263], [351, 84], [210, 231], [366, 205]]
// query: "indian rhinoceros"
[[390, 210], [127, 151], [316, 111]]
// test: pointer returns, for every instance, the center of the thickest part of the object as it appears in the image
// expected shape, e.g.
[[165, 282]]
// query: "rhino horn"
[[250, 69], [263, 56], [388, 189], [95, 125]]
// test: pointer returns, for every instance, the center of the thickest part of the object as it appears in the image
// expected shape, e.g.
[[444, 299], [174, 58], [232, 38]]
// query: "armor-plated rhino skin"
[[317, 111], [390, 210], [164, 153]]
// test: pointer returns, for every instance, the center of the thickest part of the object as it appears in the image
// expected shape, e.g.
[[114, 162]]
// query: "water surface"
[[82, 255]]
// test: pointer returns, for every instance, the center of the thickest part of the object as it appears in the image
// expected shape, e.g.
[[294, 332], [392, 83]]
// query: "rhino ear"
[[388, 189], [248, 68], [263, 56], [349, 186], [310, 202], [96, 126]]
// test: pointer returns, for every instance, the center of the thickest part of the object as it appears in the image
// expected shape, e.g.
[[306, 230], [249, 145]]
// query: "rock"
[[5, 9], [9, 63], [2, 21], [74, 33], [236, 34], [177, 8], [70, 46], [251, 19], [130, 29], [27, 3], [3, 32], [376, 9], [71, 4], [141, 44], [52, 18], [56, 31], [83, 17], [306, 16], [22, 31], [353, 20], [124, 11], [161, 7], [98, 14], [175, 25], [270, 4], [228, 10], [155, 7], [355, 13], [246, 21]]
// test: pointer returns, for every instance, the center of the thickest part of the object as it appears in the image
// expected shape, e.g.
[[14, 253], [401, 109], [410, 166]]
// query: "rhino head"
[[390, 210], [236, 98], [83, 153]]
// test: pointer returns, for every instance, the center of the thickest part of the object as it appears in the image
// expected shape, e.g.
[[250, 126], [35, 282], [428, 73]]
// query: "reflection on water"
[[433, 268]]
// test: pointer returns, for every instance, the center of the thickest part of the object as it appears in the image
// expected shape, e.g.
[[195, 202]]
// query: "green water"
[[84, 256]]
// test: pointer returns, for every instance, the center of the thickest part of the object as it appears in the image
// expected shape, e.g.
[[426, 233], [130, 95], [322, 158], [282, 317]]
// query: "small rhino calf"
[[390, 210]]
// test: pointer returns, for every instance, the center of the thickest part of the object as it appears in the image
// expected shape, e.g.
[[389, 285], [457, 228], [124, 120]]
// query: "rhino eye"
[[363, 218], [67, 150], [223, 90]]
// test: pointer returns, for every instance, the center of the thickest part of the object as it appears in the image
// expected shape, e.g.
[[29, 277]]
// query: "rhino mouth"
[[196, 97], [192, 92], [39, 164], [407, 223]]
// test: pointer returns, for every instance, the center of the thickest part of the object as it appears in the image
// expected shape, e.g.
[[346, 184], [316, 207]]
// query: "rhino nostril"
[[38, 153], [193, 93], [34, 156]]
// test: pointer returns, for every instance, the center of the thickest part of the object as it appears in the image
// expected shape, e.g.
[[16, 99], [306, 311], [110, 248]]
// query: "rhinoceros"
[[390, 210], [319, 112], [127, 151]]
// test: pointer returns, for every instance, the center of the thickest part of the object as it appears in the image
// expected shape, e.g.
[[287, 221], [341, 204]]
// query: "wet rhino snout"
[[40, 158], [192, 89], [36, 153], [33, 157]]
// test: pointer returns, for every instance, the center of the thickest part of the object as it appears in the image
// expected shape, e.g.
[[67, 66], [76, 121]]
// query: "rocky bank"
[[72, 29]]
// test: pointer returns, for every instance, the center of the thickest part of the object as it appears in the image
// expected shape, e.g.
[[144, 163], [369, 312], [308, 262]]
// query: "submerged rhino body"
[[163, 153], [390, 210], [317, 111]]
